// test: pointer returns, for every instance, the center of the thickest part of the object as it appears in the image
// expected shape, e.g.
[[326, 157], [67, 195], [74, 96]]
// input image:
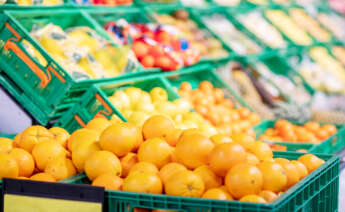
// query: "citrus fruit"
[[16, 140], [81, 136], [33, 135], [217, 193], [243, 179], [84, 150], [43, 177], [98, 124], [224, 156], [311, 162], [291, 172], [127, 162], [244, 139], [144, 182], [158, 126], [169, 169], [302, 170], [262, 151], [274, 176], [252, 159], [220, 139], [108, 181], [269, 196], [192, 150], [156, 151], [6, 145], [185, 183], [47, 151], [253, 198], [102, 162], [173, 137], [25, 161], [211, 180], [144, 167], [330, 129], [60, 168], [60, 135], [119, 138], [8, 166]]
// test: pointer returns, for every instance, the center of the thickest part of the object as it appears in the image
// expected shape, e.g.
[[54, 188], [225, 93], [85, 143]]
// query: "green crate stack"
[[316, 192], [329, 146]]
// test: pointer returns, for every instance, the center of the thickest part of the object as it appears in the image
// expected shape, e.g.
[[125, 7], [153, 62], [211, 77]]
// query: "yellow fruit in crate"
[[119, 138], [122, 98], [269, 196], [165, 107], [302, 170], [143, 182], [16, 140], [133, 95], [138, 118], [274, 176], [158, 94], [127, 162], [84, 63], [253, 198], [252, 159], [102, 162], [84, 39], [185, 183], [311, 162], [144, 167], [211, 180], [81, 136], [158, 126], [217, 193], [291, 172], [220, 139], [170, 169], [145, 98], [104, 57], [33, 135], [108, 181], [173, 137], [6, 145], [244, 179], [192, 150], [262, 151], [208, 130], [47, 151], [60, 135], [60, 168], [43, 177], [244, 139], [98, 124], [25, 161], [156, 151], [51, 45], [84, 150], [182, 106], [145, 107], [8, 166]]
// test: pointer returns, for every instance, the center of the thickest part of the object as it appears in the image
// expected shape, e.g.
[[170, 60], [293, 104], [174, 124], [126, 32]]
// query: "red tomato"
[[148, 61], [163, 62], [156, 51], [140, 49], [164, 37]]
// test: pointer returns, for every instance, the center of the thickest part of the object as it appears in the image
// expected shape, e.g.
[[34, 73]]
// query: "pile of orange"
[[211, 103], [159, 158], [310, 132], [37, 154]]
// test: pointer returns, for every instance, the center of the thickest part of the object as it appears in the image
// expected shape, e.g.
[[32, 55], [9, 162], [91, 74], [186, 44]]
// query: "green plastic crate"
[[44, 88], [11, 136], [330, 145], [155, 3], [9, 5], [316, 192]]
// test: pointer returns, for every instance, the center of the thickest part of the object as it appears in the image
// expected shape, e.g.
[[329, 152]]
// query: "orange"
[[81, 136], [43, 177], [102, 162], [220, 139], [274, 176], [33, 135], [22, 178], [161, 210], [144, 167], [311, 162], [44, 152], [245, 140], [186, 86], [158, 94], [281, 124], [321, 134], [140, 140], [6, 145], [192, 150], [211, 180], [253, 198], [302, 150], [16, 140], [60, 135], [158, 126], [156, 151], [302, 170], [143, 182], [252, 159], [312, 126], [262, 151], [140, 49], [218, 95], [25, 161], [119, 138], [169, 169], [127, 162], [217, 193], [8, 166], [269, 196], [243, 179], [60, 168], [84, 150], [185, 183], [98, 124], [254, 118], [173, 137], [291, 172], [108, 181], [224, 156], [331, 129], [244, 112]]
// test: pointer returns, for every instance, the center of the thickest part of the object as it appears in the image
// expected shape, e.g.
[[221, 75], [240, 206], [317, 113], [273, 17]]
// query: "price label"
[[32, 196]]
